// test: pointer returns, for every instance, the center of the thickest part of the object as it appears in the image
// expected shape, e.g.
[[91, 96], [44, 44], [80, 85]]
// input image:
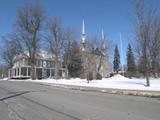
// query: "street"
[[34, 101]]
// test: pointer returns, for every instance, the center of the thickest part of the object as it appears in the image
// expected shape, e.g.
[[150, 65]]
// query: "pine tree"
[[116, 61], [75, 65], [131, 67], [73, 59]]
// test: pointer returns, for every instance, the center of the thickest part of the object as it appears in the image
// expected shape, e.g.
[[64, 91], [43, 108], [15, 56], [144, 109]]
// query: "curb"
[[151, 94]]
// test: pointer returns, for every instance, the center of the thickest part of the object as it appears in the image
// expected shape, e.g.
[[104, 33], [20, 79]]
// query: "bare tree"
[[29, 22], [154, 46], [144, 35], [11, 48], [56, 39]]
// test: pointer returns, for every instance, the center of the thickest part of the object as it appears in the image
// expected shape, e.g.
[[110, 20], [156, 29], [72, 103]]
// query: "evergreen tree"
[[116, 61], [131, 67], [73, 58]]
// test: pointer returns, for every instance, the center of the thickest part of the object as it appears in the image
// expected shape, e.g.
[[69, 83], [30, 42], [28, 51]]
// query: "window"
[[52, 64], [29, 71], [23, 61], [48, 63], [18, 71], [44, 63], [14, 72], [41, 63], [48, 72], [24, 71]]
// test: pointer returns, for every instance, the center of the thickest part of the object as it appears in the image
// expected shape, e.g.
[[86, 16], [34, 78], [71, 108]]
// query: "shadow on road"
[[15, 95], [18, 94]]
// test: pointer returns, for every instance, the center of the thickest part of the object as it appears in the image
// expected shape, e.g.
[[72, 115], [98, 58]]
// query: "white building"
[[45, 66]]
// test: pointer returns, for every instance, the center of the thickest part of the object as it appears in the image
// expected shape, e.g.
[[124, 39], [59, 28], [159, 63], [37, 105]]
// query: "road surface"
[[33, 101]]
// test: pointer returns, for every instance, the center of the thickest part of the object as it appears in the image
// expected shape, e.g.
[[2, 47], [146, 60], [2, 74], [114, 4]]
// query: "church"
[[95, 64]]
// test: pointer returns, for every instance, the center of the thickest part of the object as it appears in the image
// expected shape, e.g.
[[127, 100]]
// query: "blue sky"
[[114, 16]]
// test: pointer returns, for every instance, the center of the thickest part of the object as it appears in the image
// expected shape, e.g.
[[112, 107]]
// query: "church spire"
[[103, 40], [83, 29], [83, 37], [102, 37]]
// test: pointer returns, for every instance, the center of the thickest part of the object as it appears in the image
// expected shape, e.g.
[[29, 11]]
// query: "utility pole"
[[121, 48]]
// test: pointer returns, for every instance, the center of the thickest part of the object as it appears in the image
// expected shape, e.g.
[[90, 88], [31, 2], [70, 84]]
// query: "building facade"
[[94, 63], [45, 66]]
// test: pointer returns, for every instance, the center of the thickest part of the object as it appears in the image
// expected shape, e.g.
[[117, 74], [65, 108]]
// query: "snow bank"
[[5, 79], [115, 82]]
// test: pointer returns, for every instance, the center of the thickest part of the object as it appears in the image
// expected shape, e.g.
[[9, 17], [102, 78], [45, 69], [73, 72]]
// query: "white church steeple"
[[102, 37], [83, 37], [103, 41], [83, 29]]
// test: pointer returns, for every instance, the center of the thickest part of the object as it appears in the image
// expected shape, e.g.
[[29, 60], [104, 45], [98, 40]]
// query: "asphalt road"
[[32, 101]]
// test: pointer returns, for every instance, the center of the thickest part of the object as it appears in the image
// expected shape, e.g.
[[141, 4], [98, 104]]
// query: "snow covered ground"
[[115, 82]]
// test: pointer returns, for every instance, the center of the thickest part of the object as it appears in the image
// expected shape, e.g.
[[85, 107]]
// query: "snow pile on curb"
[[118, 77], [5, 78]]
